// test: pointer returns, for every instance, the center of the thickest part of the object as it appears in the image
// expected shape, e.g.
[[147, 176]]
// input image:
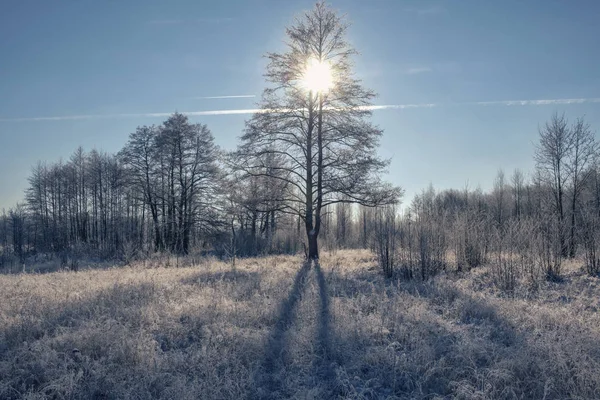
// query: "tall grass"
[[276, 328]]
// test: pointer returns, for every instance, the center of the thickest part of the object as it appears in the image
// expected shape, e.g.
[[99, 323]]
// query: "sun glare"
[[317, 76]]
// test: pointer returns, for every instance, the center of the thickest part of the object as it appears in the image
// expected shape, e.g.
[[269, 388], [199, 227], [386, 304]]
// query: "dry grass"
[[274, 329]]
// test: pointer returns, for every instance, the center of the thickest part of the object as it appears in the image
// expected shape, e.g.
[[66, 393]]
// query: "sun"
[[317, 76]]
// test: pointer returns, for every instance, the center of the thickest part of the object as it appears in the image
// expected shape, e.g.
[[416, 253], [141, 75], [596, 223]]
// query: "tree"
[[17, 218], [365, 222], [139, 154], [551, 156], [175, 167], [584, 151], [564, 157], [518, 183], [343, 217], [499, 196], [314, 115], [4, 238], [385, 239]]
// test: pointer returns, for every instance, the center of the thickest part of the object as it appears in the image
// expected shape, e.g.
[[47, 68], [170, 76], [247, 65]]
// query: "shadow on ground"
[[268, 381], [325, 363], [373, 339], [433, 339]]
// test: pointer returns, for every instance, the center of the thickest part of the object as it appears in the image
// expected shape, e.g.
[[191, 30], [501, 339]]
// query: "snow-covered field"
[[275, 328]]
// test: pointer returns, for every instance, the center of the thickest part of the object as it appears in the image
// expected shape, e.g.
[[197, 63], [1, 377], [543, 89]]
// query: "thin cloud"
[[432, 10], [215, 20], [398, 106], [227, 112], [138, 115], [537, 102], [417, 70], [238, 96], [507, 103], [166, 22]]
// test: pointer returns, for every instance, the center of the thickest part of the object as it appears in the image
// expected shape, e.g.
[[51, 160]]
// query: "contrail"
[[534, 102], [239, 96], [490, 103], [141, 115], [256, 110]]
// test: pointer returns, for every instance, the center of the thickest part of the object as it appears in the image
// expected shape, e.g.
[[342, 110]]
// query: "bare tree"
[[584, 152], [385, 237], [17, 219], [4, 238], [552, 157], [500, 197], [365, 222], [166, 179], [343, 217], [189, 155], [518, 183], [139, 154], [314, 115]]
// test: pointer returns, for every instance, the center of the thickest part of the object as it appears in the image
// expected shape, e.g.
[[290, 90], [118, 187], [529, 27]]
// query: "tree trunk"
[[254, 250], [561, 226], [313, 246], [572, 237]]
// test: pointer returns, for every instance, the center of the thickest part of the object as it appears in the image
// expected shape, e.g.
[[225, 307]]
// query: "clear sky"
[[470, 59]]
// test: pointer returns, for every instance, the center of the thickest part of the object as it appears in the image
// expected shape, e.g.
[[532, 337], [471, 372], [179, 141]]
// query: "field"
[[276, 328]]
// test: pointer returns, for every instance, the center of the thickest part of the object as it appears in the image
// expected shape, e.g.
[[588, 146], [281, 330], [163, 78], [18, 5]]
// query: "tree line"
[[172, 189], [524, 227]]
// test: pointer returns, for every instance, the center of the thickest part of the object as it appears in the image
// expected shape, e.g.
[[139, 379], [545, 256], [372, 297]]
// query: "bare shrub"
[[432, 249], [530, 270], [517, 261], [550, 246], [505, 267], [69, 258], [423, 247], [385, 238], [590, 239], [469, 241], [473, 253], [129, 251]]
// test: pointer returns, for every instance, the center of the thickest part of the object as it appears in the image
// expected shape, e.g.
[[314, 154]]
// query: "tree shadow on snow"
[[268, 382]]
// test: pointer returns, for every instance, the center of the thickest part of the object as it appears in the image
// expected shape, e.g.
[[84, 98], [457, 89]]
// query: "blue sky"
[[470, 58]]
